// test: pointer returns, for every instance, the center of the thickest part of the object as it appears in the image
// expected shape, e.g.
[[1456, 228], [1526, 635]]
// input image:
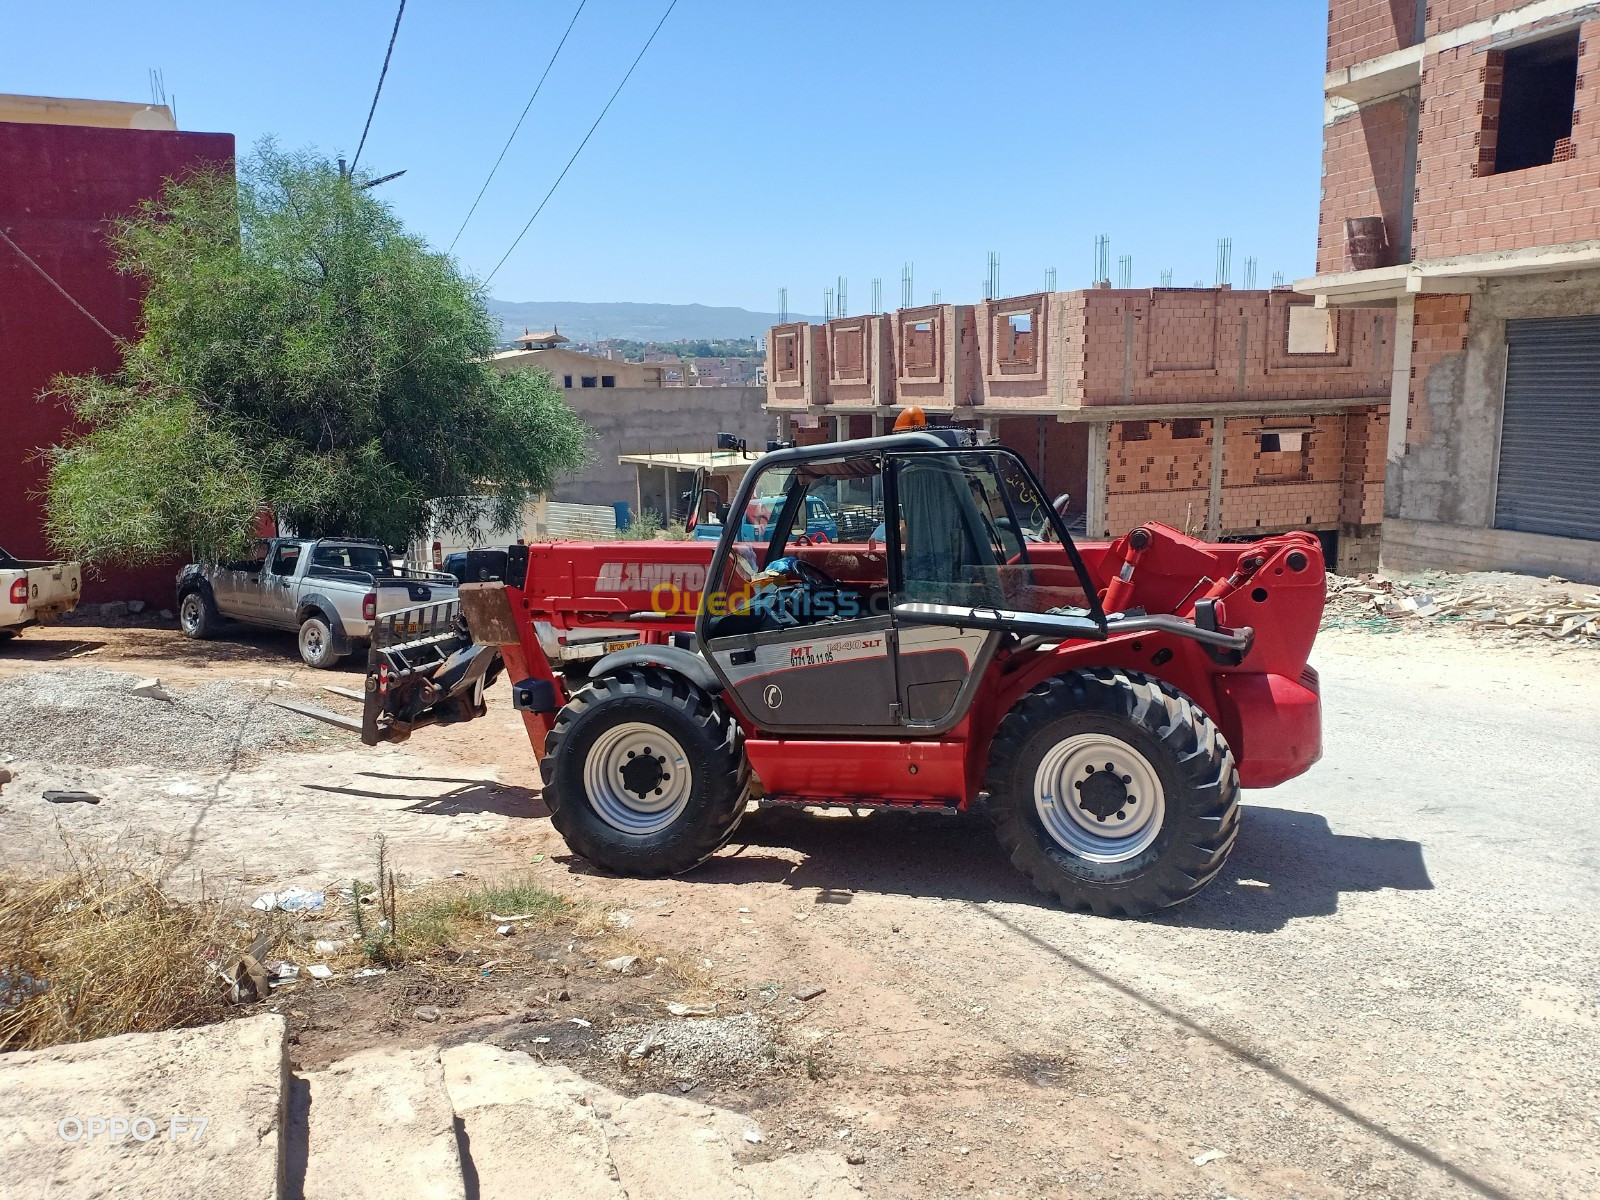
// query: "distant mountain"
[[639, 322]]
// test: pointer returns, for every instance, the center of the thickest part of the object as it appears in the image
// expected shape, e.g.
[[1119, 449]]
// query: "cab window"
[[286, 559], [975, 531]]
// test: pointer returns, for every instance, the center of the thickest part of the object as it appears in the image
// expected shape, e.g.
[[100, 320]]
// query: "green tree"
[[300, 354]]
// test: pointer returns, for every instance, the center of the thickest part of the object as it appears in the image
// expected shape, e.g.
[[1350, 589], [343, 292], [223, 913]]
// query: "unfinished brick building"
[[1227, 413], [1461, 193]]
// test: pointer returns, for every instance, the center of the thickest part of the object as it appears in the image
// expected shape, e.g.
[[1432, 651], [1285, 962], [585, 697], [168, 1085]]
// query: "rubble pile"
[[1513, 607]]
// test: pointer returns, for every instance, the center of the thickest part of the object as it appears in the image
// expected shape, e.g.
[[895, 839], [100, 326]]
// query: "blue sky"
[[764, 145]]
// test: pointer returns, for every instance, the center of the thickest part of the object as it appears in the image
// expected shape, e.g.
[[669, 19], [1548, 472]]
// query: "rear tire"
[[316, 644], [1114, 792], [197, 616], [644, 773]]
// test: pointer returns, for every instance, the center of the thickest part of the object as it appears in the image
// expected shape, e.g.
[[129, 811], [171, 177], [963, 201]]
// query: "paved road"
[[1392, 989]]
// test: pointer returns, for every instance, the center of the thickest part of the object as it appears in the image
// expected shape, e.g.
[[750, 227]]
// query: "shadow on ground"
[[469, 796], [1293, 864], [161, 640]]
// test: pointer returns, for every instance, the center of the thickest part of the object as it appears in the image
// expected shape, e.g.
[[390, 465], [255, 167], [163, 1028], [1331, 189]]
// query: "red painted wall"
[[58, 186]]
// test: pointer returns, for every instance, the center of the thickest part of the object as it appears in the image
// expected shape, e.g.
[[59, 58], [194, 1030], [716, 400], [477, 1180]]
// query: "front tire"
[[1114, 792], [644, 773], [197, 616], [316, 644]]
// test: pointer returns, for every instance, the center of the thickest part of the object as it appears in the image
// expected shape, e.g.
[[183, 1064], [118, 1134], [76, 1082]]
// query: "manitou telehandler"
[[953, 649]]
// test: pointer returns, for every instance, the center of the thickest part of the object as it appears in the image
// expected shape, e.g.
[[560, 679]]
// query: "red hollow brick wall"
[[1363, 175], [1363, 29], [1459, 211]]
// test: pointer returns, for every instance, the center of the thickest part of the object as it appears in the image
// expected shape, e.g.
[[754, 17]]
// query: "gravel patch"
[[695, 1048], [90, 717]]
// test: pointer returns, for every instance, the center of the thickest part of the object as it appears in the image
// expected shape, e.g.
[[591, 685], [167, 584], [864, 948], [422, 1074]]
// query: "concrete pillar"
[[1099, 477], [1405, 312], [1214, 498]]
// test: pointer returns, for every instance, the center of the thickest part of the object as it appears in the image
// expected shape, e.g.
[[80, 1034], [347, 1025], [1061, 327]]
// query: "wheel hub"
[[1099, 798], [642, 773], [1103, 793], [637, 778]]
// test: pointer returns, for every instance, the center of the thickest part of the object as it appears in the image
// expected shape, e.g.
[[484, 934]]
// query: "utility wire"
[[51, 281], [393, 33], [581, 145], [515, 128]]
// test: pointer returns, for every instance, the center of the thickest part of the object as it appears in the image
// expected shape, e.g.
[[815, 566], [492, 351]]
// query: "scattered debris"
[[151, 689], [320, 971], [678, 1009], [623, 964], [324, 946], [809, 991], [1512, 606], [753, 1136], [647, 1044], [504, 930], [1210, 1156], [580, 1022], [72, 797], [285, 972], [248, 982], [426, 1013]]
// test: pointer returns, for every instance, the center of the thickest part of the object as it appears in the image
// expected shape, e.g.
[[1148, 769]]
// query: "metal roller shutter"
[[1549, 479]]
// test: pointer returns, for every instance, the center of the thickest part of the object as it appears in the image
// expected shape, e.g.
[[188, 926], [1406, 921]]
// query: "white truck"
[[327, 590], [35, 590]]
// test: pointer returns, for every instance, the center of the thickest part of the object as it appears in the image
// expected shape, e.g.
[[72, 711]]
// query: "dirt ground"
[[1391, 991]]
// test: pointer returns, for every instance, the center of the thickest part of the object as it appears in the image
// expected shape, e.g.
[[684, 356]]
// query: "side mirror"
[[1060, 505], [728, 441]]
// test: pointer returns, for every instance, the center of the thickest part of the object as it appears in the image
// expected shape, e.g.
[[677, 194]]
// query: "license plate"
[[613, 647]]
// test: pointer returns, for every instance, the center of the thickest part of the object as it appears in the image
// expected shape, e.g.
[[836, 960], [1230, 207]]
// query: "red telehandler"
[[894, 622]]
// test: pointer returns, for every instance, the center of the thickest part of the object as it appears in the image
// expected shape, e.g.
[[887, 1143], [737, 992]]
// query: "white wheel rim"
[[311, 641], [624, 790], [191, 612], [1076, 792]]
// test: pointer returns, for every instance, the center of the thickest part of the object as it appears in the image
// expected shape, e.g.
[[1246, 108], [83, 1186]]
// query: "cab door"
[[823, 661], [278, 597]]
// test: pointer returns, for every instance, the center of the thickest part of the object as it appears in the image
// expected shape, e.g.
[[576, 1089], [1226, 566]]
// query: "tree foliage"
[[303, 355]]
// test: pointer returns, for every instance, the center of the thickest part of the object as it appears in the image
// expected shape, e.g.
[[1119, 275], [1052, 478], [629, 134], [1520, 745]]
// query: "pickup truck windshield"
[[371, 559]]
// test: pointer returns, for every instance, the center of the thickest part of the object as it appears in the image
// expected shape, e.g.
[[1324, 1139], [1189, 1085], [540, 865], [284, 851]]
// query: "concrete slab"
[[160, 1116], [809, 1175], [375, 1121], [528, 1121], [669, 1148], [527, 1126]]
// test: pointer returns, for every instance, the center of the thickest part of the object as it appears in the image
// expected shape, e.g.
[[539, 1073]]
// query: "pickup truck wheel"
[[644, 773], [316, 644], [1114, 792], [198, 616]]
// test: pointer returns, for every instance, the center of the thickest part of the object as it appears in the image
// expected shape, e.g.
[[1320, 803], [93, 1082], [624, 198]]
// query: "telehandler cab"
[[952, 650]]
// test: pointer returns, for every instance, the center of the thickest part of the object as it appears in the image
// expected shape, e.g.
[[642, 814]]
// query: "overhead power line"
[[378, 91], [582, 144], [516, 127], [50, 279]]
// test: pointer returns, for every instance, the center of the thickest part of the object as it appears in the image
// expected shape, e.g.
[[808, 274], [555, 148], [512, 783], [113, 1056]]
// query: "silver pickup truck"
[[329, 590]]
